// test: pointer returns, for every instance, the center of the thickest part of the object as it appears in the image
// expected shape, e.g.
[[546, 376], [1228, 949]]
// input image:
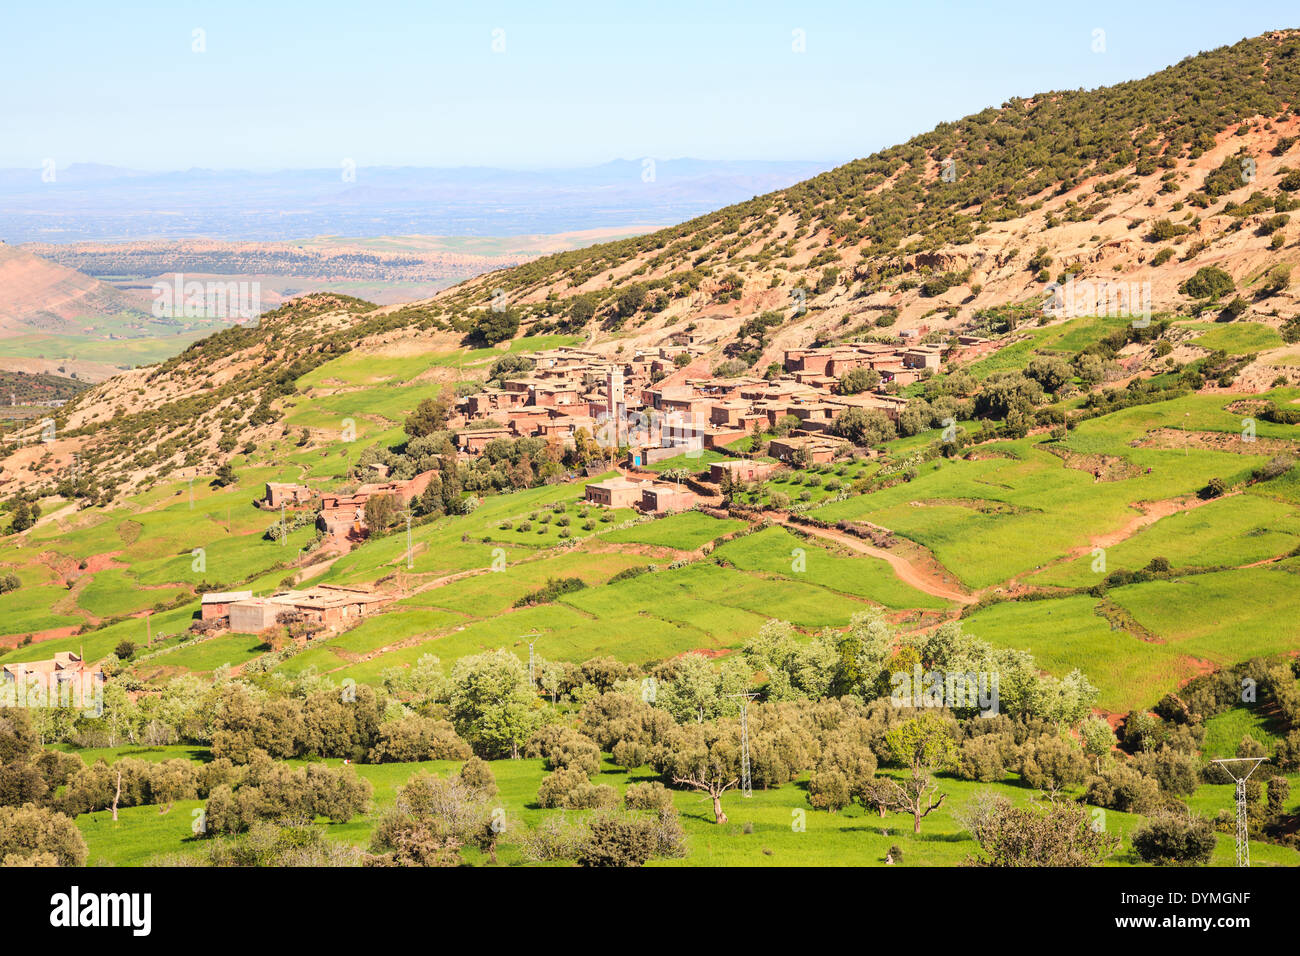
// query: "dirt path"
[[1152, 511], [920, 578]]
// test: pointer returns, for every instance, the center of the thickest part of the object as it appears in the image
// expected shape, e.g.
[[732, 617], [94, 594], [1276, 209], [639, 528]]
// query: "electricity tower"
[[1241, 775], [745, 786], [532, 659]]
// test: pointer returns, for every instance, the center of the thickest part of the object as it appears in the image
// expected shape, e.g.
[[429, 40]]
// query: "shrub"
[[477, 774], [564, 748], [647, 796], [617, 839], [573, 790], [1215, 488], [34, 836], [1121, 787], [1182, 839], [1209, 282], [413, 738], [828, 789], [553, 588]]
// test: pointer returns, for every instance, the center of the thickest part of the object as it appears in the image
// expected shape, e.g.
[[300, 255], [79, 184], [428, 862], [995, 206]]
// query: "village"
[[644, 411]]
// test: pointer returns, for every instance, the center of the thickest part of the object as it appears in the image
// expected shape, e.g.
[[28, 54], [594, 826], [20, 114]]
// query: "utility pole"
[[532, 659], [1241, 775], [284, 531], [746, 788], [410, 560]]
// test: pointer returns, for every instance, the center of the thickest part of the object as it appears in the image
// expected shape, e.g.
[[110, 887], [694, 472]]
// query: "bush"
[[1209, 282], [617, 839], [413, 738], [828, 789], [553, 588], [1215, 488], [477, 774], [980, 758], [1121, 787], [564, 748], [573, 790], [1181, 839], [648, 796]]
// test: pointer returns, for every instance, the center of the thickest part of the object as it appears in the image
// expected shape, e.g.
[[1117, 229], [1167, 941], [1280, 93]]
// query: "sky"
[[265, 85]]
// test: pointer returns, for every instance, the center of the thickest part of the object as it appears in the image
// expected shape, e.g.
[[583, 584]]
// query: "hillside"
[[1139, 183], [39, 296], [1096, 509]]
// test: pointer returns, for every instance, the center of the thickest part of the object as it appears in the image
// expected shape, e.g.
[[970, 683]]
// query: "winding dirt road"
[[908, 573]]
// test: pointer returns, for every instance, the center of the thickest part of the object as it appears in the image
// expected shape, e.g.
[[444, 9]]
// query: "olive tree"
[[923, 745], [492, 705], [702, 757]]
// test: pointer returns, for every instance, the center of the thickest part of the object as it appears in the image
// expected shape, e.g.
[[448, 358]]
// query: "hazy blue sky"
[[384, 83]]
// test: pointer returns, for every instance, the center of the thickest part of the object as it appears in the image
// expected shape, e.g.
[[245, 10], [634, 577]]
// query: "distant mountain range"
[[87, 201]]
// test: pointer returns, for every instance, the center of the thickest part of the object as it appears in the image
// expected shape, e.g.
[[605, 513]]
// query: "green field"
[[776, 827]]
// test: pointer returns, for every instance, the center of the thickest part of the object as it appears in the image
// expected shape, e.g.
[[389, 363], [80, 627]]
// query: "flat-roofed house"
[[923, 356], [816, 448], [216, 604], [324, 605], [741, 469], [659, 499], [283, 493], [64, 678], [473, 442], [614, 492]]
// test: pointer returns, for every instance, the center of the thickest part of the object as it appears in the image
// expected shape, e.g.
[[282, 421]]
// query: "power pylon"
[[532, 660], [746, 788], [1243, 824]]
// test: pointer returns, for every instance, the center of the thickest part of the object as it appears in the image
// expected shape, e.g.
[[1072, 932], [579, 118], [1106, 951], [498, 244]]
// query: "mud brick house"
[[618, 402], [615, 493], [345, 514], [326, 606], [817, 449], [741, 469], [923, 356], [660, 499], [342, 514], [64, 679], [216, 604], [473, 442], [289, 495]]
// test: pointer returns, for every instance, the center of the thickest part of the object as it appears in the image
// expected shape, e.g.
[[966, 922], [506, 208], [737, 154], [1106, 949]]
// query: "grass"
[[685, 531], [1228, 532], [1069, 633], [991, 519], [775, 827], [776, 551], [1235, 338]]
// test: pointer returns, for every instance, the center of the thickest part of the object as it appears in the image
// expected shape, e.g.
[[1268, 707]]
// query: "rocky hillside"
[[1147, 182]]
